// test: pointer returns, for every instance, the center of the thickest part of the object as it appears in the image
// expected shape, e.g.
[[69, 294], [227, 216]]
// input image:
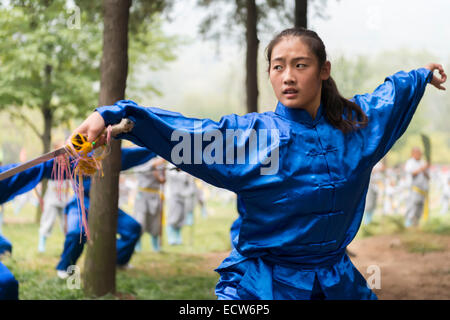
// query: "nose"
[[288, 77]]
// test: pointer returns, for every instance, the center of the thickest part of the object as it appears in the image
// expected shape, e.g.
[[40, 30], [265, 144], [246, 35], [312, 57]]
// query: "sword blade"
[[50, 155]]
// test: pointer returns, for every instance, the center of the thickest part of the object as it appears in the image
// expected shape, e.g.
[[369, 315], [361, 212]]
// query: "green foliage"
[[383, 225], [50, 55], [394, 224], [437, 225], [46, 64], [149, 49], [417, 244], [352, 76]]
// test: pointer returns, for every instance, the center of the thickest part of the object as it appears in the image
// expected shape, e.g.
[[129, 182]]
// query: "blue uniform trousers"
[[128, 229]]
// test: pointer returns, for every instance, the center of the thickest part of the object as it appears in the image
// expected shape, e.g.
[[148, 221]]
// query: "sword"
[[125, 125], [426, 147]]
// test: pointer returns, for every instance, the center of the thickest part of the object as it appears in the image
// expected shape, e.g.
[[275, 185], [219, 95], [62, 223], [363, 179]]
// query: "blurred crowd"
[[411, 190]]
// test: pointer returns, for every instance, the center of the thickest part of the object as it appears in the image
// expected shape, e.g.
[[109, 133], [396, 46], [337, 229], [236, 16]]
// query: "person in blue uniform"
[[127, 227], [9, 286], [303, 184], [10, 188], [5, 245]]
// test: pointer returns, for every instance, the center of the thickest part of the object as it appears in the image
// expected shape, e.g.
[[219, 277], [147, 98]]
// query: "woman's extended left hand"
[[437, 81]]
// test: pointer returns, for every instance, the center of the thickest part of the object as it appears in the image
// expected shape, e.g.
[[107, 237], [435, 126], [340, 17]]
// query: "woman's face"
[[295, 75]]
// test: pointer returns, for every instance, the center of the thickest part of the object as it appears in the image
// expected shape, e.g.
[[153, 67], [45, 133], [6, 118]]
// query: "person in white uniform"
[[53, 207], [149, 200], [445, 197], [417, 169], [54, 202], [181, 190]]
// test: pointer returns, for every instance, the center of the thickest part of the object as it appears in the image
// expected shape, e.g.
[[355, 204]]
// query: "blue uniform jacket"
[[296, 222]]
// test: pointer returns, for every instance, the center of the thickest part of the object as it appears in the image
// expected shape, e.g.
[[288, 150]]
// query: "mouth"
[[290, 93]]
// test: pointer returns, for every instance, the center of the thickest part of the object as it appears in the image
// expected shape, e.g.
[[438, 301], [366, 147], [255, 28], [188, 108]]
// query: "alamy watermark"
[[73, 281], [374, 280], [74, 20], [231, 146]]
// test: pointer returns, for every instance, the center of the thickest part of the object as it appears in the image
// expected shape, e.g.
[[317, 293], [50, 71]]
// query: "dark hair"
[[334, 104]]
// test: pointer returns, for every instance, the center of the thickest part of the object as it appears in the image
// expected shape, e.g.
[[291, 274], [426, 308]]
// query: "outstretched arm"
[[23, 181], [187, 142], [132, 157], [391, 106]]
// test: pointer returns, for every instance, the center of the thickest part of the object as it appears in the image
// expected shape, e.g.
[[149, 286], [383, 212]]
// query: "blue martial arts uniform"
[[236, 225], [10, 188], [297, 222], [5, 245], [127, 227]]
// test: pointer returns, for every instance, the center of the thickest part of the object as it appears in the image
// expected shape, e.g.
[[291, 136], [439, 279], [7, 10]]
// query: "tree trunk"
[[252, 56], [301, 13], [46, 137], [100, 263]]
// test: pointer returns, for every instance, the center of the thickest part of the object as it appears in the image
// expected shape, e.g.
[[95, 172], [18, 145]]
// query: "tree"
[[245, 14], [100, 263], [298, 14], [53, 67], [45, 65], [50, 56], [252, 56], [50, 59], [301, 13], [148, 45]]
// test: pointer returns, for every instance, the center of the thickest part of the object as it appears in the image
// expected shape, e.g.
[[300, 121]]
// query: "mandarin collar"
[[299, 115]]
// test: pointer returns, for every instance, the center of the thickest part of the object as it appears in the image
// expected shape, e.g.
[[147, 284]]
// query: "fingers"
[[437, 81], [100, 141], [443, 75], [94, 126], [437, 66], [91, 128], [441, 72]]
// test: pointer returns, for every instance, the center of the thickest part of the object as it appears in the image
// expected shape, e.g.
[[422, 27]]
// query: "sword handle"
[[80, 143], [124, 126]]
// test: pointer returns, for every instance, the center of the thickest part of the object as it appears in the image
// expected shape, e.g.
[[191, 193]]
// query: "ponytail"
[[341, 112]]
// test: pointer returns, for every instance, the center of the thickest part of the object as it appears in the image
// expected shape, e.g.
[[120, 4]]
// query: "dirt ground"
[[404, 275]]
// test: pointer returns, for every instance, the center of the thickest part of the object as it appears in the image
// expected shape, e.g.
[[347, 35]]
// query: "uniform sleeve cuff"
[[111, 114], [428, 73]]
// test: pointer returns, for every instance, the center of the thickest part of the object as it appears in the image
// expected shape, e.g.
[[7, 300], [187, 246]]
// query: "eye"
[[300, 65], [277, 67]]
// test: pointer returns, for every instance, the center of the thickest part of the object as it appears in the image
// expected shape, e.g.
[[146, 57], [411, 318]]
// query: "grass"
[[420, 245], [437, 225], [178, 272], [394, 224], [382, 225], [425, 238]]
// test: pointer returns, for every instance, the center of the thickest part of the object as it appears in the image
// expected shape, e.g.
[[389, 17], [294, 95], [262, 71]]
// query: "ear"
[[325, 72]]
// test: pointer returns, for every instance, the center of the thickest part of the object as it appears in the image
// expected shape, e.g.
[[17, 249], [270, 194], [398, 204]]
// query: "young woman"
[[298, 218]]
